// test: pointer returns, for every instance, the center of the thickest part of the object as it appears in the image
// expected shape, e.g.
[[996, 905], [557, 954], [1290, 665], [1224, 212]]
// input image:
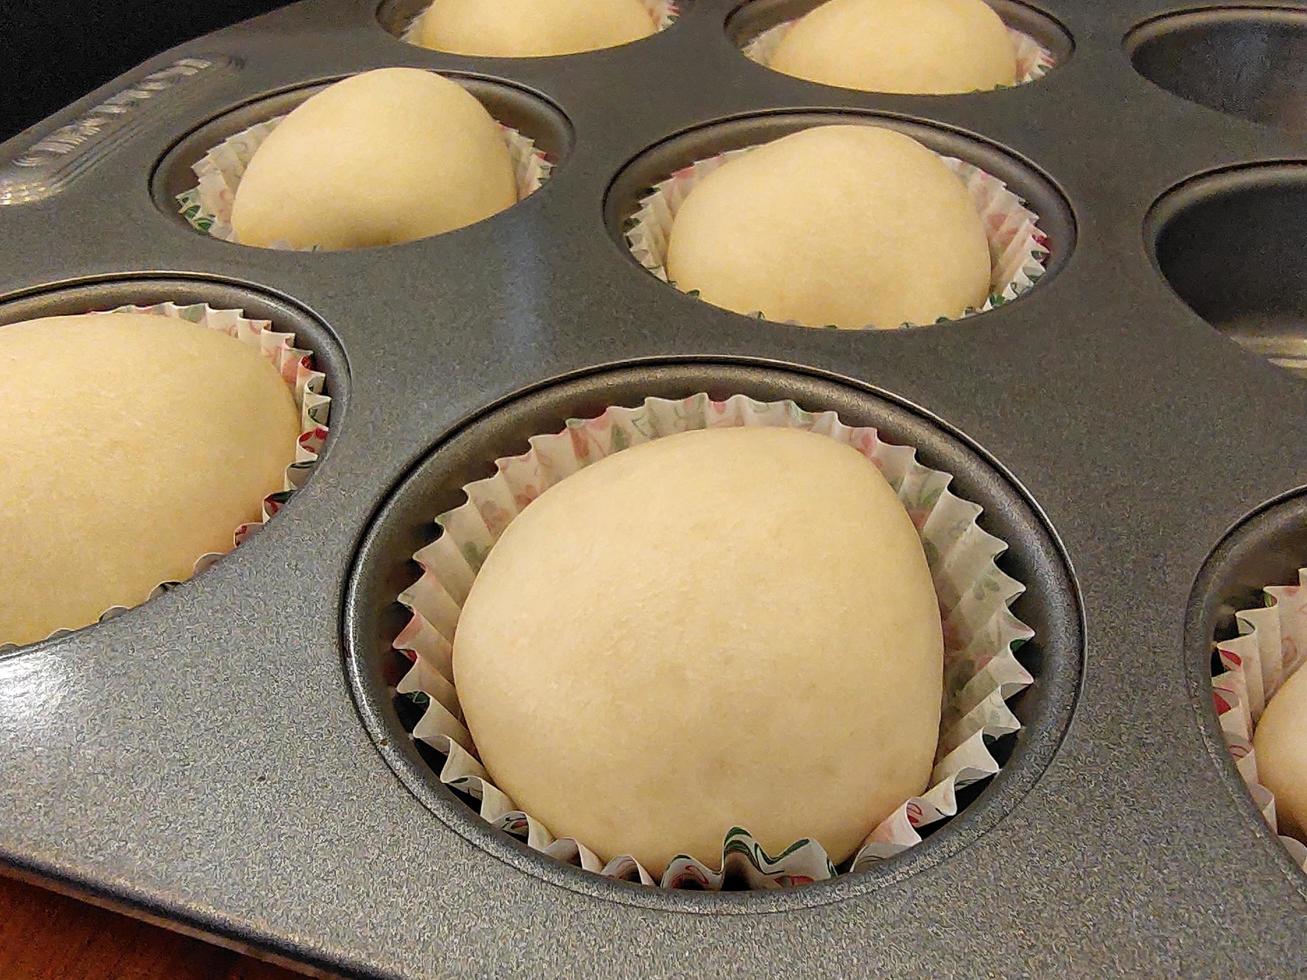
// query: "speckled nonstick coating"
[[226, 758]]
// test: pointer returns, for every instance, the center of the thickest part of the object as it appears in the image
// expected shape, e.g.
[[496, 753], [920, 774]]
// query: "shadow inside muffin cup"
[[1031, 231], [384, 568], [1249, 62], [536, 131], [1042, 44], [1231, 245]]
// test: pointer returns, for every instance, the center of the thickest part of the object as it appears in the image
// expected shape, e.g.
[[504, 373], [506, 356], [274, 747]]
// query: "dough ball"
[[718, 628], [1281, 746], [132, 445], [532, 28], [923, 47], [844, 225], [380, 158]]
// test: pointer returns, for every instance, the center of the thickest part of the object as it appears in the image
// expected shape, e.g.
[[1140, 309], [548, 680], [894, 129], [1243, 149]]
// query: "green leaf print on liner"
[[474, 556], [418, 698], [976, 634], [643, 424]]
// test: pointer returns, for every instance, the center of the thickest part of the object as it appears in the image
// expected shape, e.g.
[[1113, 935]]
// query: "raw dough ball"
[[384, 157], [718, 628], [131, 444], [1281, 746], [531, 28], [924, 47], [844, 225]]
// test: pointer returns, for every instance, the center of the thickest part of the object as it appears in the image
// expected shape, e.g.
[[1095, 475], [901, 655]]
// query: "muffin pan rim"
[[1230, 13], [385, 12], [172, 167], [77, 294], [1202, 189], [1254, 529], [1061, 683], [741, 27], [631, 180]]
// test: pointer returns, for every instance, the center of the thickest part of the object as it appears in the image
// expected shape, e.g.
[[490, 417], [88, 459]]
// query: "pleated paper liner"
[[295, 365], [663, 13], [980, 633], [1270, 647], [207, 206], [1017, 246], [1033, 60]]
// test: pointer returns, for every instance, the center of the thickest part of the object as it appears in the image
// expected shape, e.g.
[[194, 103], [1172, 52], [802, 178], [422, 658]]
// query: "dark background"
[[55, 51]]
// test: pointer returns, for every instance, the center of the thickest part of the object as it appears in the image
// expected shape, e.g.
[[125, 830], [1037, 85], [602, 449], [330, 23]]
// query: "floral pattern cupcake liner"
[[1017, 246], [1270, 647], [662, 12], [981, 634], [295, 365], [1034, 61], [207, 206]]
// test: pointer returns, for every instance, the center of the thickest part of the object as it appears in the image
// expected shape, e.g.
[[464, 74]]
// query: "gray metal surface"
[[201, 757]]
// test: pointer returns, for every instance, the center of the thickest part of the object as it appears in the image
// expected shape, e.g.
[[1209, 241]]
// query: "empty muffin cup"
[[295, 367], [1270, 646], [980, 635], [207, 207], [1018, 247]]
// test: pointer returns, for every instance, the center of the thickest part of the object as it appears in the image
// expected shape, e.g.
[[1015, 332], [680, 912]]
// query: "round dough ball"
[[850, 226], [1280, 742], [132, 445], [380, 158], [532, 28], [718, 628], [922, 47]]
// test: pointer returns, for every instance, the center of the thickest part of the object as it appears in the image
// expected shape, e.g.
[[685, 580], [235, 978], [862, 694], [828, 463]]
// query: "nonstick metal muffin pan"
[[230, 758]]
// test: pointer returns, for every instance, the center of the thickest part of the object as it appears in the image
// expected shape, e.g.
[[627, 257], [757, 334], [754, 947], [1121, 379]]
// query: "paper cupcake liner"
[[980, 633], [1017, 246], [1271, 645], [662, 12], [207, 206], [295, 365], [1033, 59]]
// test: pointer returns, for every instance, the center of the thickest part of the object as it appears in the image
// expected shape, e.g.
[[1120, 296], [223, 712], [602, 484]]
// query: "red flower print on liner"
[[580, 444], [314, 439], [791, 880]]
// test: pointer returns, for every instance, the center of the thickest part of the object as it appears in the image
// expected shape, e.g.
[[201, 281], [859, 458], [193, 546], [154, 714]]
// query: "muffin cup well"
[[980, 633], [1017, 246], [207, 207], [295, 365], [663, 13], [1270, 647], [1033, 59]]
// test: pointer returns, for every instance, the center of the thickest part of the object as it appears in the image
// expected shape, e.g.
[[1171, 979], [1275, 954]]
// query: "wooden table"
[[51, 937]]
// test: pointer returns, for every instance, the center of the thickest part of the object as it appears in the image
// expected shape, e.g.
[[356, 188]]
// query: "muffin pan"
[[227, 757]]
